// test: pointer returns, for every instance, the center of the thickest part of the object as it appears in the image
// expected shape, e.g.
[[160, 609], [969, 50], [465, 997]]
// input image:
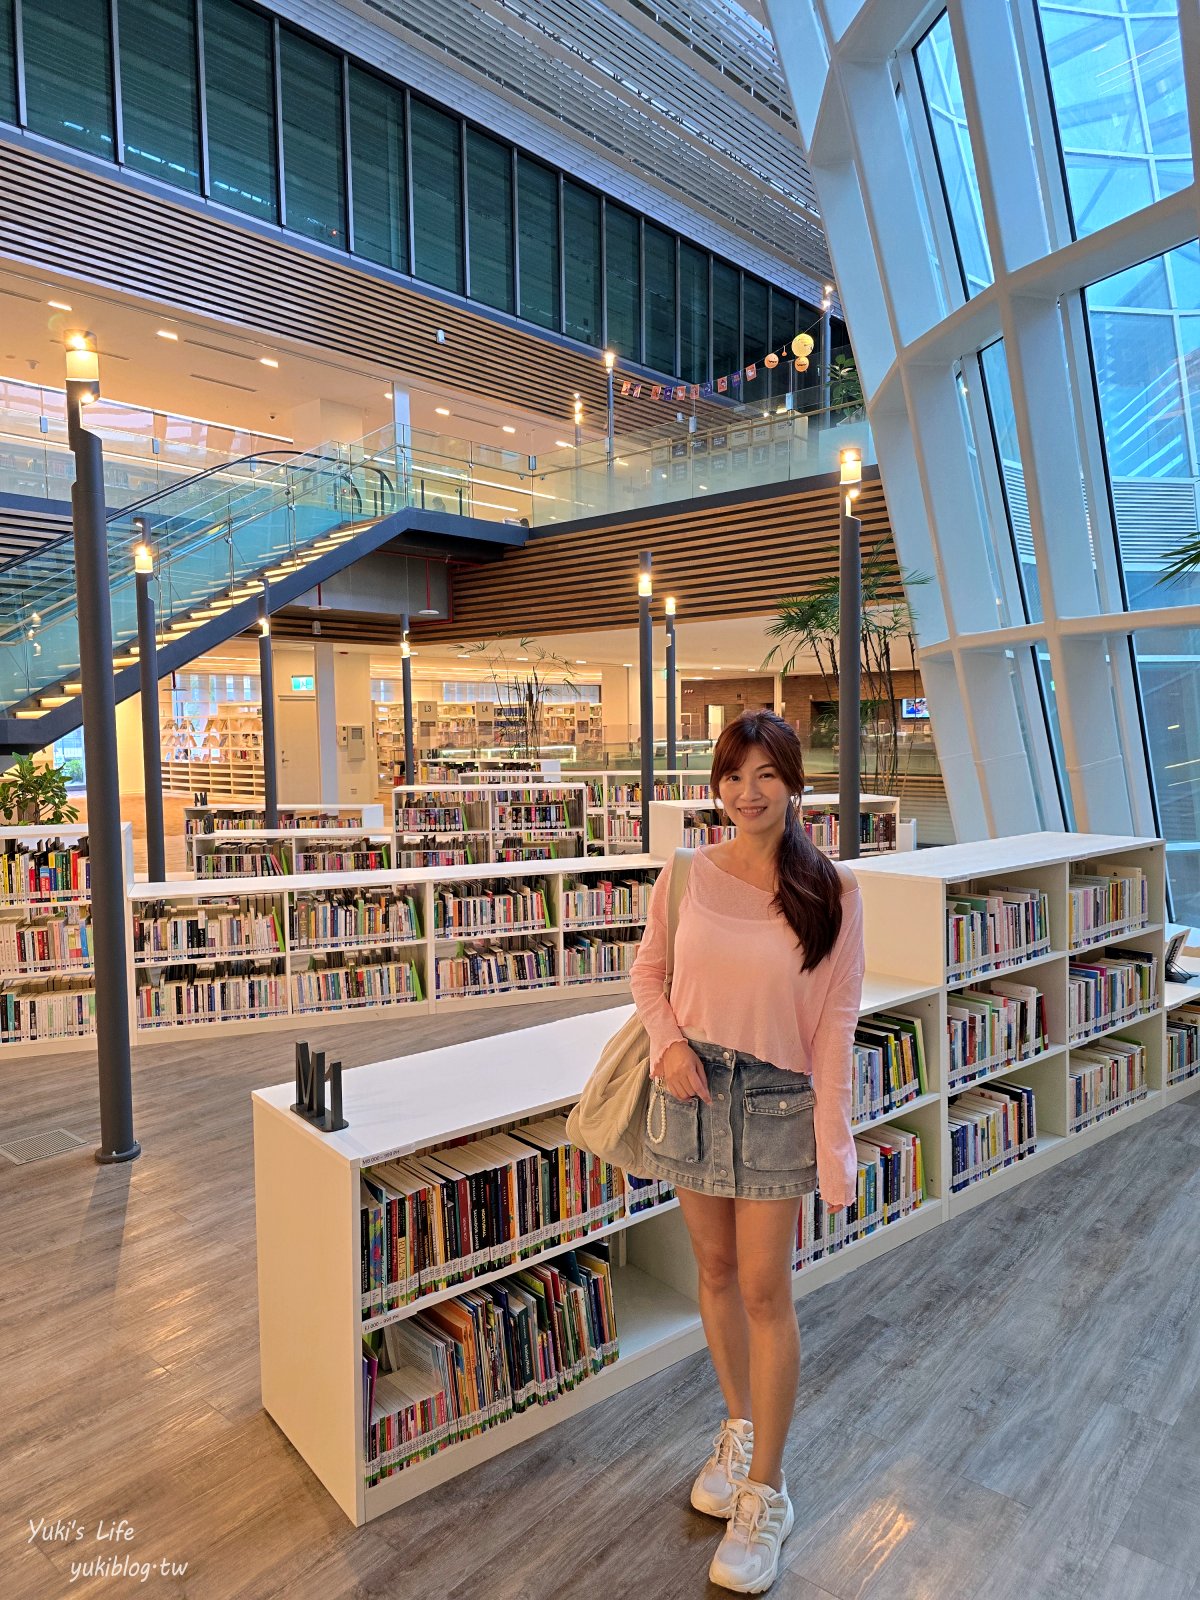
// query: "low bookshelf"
[[245, 952], [227, 816], [313, 1313], [1091, 903], [678, 822], [615, 802], [247, 852], [47, 976], [465, 824]]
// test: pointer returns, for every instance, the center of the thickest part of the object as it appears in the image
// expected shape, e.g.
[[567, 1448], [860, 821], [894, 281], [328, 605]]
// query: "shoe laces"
[[729, 1446], [750, 1511]]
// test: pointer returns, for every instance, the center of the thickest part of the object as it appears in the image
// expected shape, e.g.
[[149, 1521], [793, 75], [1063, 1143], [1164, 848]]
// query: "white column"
[[327, 749]]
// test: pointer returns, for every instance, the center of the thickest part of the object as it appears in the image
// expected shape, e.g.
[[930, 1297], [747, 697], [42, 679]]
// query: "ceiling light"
[[580, 663], [388, 395], [267, 361], [507, 428], [562, 444], [165, 333], [441, 411], [59, 305]]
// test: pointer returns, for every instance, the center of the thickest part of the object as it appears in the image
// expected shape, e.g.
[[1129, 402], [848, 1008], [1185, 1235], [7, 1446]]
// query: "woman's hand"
[[682, 1072]]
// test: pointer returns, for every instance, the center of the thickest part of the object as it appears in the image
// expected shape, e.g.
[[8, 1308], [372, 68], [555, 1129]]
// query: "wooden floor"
[[1005, 1409]]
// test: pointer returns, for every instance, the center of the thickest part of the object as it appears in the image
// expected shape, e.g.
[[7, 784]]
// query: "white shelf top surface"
[[238, 835], [398, 1106], [954, 862], [391, 877]]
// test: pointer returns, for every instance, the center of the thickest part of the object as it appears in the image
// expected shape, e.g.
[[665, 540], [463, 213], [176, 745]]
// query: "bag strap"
[[681, 865]]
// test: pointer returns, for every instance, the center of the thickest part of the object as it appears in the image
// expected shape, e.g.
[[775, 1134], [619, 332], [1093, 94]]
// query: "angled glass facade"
[[297, 135], [1024, 296]]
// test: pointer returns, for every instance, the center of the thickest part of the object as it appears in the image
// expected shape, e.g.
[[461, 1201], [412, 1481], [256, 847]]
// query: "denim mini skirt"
[[755, 1140]]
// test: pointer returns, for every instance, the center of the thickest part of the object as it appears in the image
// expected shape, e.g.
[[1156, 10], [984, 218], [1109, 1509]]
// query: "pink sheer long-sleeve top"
[[737, 982]]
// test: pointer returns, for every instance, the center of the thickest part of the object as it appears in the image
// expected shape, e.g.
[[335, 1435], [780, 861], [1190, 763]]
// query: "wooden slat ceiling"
[[187, 256], [719, 560]]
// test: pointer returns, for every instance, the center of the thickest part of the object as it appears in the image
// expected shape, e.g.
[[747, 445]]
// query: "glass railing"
[[209, 535], [144, 450]]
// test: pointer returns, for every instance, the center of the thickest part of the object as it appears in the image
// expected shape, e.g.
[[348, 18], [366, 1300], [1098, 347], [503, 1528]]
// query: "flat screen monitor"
[[914, 710]]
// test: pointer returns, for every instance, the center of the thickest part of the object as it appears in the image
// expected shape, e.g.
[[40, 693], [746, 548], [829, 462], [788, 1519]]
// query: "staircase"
[[284, 519]]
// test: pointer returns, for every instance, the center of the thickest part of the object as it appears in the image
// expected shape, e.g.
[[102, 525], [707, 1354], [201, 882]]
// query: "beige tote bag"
[[610, 1119]]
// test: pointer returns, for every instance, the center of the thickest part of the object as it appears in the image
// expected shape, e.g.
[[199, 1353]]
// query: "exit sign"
[[302, 685]]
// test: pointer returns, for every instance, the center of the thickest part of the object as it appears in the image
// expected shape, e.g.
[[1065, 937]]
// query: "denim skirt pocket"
[[777, 1130], [674, 1127]]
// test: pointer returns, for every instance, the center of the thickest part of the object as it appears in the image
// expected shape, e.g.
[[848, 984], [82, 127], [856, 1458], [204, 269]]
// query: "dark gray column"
[[156, 855], [110, 961], [266, 679], [850, 666], [672, 716], [410, 771], [646, 687]]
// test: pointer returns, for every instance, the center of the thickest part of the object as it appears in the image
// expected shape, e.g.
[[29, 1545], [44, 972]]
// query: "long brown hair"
[[809, 896]]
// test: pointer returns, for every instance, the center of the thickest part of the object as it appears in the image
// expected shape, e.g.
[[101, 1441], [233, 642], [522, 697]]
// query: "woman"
[[751, 1094]]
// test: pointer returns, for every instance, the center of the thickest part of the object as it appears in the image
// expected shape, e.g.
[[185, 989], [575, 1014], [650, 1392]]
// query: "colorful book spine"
[[469, 1363]]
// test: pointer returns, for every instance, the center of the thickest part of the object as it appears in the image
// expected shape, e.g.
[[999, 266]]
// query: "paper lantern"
[[801, 363], [771, 361], [803, 344]]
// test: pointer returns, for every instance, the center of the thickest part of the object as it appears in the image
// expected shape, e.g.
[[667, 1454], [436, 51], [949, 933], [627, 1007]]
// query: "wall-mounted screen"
[[914, 710]]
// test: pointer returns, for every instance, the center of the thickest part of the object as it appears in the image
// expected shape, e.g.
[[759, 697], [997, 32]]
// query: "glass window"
[[623, 281], [437, 196], [378, 169], [785, 325], [581, 237], [1116, 79], [1168, 671], [490, 218], [1050, 700], [727, 335], [941, 87], [537, 219], [998, 390], [313, 171], [160, 111], [1145, 338], [8, 62], [660, 300], [693, 313], [239, 83], [756, 341], [68, 73], [1003, 617]]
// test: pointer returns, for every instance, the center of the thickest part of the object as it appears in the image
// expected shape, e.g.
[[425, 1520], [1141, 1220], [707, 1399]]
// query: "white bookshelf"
[[287, 848], [289, 900], [477, 820], [307, 1183], [33, 985], [227, 816], [672, 822], [615, 802], [310, 1315]]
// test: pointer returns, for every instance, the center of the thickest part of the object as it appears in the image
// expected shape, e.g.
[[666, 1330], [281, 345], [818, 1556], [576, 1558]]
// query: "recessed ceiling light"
[[580, 663], [387, 395], [267, 361], [562, 444], [508, 429], [59, 305], [703, 488], [627, 663], [442, 411], [165, 333]]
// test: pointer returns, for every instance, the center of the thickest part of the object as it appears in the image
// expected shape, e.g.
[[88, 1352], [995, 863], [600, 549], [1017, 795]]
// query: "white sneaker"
[[747, 1558], [718, 1480]]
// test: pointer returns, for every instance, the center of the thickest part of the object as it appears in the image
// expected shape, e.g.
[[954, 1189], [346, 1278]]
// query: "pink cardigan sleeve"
[[649, 972], [832, 1057]]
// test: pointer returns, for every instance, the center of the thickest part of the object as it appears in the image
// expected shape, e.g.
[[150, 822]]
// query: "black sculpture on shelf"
[[311, 1077]]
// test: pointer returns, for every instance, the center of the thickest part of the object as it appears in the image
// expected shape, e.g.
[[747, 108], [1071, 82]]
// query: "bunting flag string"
[[799, 349]]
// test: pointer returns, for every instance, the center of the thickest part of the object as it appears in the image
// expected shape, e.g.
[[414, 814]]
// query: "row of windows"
[[1114, 70], [219, 99]]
